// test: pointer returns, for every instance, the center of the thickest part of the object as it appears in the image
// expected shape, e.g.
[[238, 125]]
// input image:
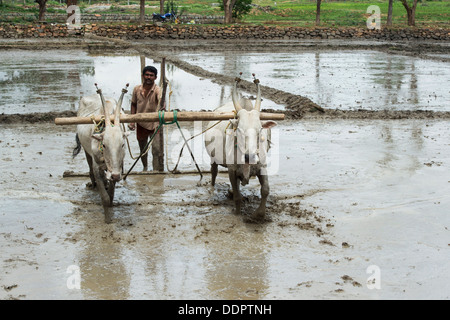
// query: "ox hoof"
[[108, 215], [256, 217], [90, 185], [108, 219]]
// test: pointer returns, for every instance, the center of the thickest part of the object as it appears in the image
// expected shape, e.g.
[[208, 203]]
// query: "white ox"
[[105, 150], [241, 145]]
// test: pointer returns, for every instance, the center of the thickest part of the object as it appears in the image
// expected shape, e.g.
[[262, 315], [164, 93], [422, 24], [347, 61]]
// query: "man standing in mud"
[[146, 98]]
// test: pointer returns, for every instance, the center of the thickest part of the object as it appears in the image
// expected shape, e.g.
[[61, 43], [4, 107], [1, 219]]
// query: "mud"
[[350, 191]]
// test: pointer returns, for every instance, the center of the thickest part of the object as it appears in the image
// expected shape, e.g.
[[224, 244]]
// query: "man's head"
[[150, 69], [149, 75]]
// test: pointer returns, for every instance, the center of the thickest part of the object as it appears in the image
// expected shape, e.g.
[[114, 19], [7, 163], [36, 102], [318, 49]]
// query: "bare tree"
[[410, 11], [228, 9], [389, 16], [319, 2], [42, 8]]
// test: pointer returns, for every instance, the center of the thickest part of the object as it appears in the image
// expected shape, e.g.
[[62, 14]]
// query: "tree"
[[228, 9], [172, 7], [142, 11], [389, 16], [240, 8], [42, 8], [410, 11], [319, 2]]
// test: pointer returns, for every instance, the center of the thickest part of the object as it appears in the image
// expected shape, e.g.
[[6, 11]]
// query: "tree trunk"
[[411, 12], [161, 6], [228, 10], [42, 9], [411, 17], [389, 16], [142, 12], [319, 2]]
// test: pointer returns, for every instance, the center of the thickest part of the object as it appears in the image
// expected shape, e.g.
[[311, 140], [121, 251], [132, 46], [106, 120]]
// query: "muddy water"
[[344, 79], [345, 196]]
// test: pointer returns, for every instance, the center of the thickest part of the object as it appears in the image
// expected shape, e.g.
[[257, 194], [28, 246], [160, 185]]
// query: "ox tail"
[[77, 149]]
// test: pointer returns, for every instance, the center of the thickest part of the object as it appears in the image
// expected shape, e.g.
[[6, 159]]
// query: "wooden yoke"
[[168, 116]]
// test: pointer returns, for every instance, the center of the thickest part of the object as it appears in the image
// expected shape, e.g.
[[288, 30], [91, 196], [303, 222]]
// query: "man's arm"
[[133, 110]]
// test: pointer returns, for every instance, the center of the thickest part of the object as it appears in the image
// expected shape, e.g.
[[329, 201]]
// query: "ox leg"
[[260, 213], [236, 193], [214, 170], [111, 189], [91, 170], [106, 201]]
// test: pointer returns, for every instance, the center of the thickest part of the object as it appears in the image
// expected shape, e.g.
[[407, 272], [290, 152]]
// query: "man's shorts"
[[142, 133]]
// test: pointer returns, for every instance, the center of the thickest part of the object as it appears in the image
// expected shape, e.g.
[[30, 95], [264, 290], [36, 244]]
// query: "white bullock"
[[241, 145], [104, 145]]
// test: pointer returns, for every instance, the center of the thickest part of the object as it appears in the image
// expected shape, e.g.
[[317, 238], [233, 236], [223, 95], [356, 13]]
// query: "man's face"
[[149, 78]]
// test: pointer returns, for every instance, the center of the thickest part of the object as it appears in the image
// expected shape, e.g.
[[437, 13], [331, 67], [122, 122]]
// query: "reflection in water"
[[104, 275], [396, 153], [37, 82], [55, 80], [345, 79], [237, 266]]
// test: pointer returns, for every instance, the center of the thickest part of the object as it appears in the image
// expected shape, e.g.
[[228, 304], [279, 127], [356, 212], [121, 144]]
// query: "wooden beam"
[[168, 116], [72, 174]]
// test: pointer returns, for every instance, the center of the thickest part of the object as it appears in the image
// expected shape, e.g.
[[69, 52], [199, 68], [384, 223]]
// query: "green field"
[[268, 12]]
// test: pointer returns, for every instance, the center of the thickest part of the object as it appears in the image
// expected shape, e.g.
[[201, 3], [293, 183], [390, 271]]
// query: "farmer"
[[146, 98]]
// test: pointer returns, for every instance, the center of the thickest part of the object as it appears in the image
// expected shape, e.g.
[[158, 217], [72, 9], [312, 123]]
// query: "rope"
[[185, 142], [129, 148], [161, 123]]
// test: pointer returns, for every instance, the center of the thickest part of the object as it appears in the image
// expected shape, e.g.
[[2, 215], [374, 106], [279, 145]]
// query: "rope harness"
[[162, 123], [99, 127]]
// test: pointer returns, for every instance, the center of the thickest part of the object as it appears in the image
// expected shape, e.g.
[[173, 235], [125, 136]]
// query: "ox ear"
[[269, 124], [97, 136]]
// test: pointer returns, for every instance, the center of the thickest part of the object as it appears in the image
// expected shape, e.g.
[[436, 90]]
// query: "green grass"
[[347, 13], [270, 12]]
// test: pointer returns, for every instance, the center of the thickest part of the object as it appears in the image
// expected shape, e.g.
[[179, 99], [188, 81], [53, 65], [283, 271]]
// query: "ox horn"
[[102, 98], [119, 105], [258, 96], [234, 96]]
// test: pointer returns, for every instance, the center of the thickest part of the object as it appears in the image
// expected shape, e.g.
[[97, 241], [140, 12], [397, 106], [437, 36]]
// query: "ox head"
[[111, 139], [252, 141]]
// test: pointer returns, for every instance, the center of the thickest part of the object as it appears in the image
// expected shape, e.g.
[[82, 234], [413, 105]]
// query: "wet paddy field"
[[358, 208]]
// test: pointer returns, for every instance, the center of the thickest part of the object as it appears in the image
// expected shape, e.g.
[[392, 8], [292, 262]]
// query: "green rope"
[[161, 118]]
